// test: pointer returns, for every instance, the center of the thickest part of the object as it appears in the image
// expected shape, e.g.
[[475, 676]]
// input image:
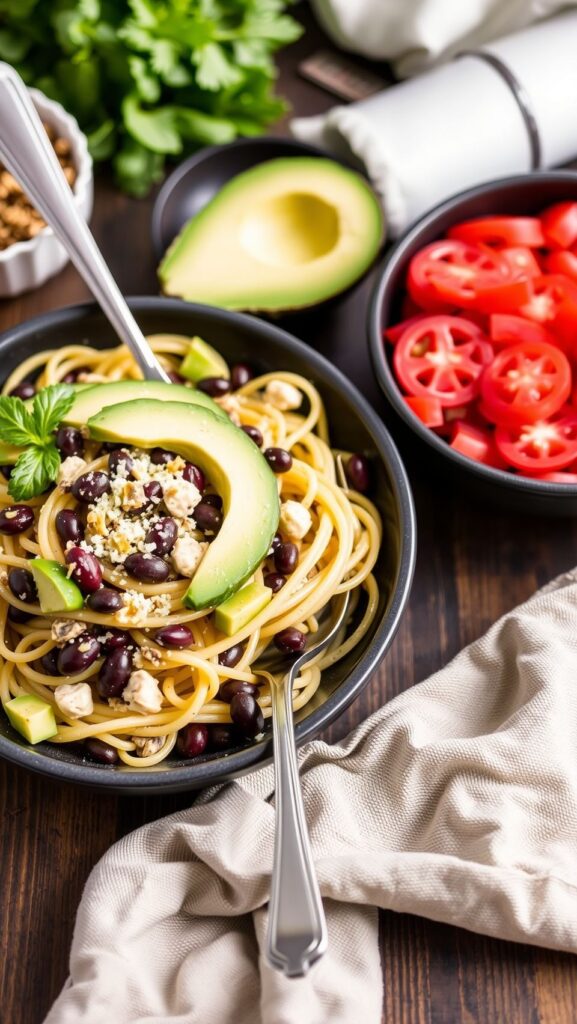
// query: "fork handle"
[[28, 155], [297, 932]]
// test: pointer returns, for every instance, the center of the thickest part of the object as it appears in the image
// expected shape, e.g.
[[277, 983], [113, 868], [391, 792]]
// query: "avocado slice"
[[202, 360], [236, 611], [100, 396], [235, 466], [32, 717], [56, 592], [285, 234]]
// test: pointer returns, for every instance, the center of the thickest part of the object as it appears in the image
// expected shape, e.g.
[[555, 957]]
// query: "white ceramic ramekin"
[[25, 265]]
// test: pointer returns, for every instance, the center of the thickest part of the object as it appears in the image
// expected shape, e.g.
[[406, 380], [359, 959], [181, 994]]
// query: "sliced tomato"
[[501, 231], [445, 274], [429, 410], [393, 333], [559, 224], [506, 297], [477, 444], [553, 302], [506, 329], [526, 382], [442, 357], [540, 447], [521, 261], [561, 261]]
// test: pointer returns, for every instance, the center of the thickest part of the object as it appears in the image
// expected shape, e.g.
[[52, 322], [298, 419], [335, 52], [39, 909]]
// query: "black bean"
[[290, 640], [358, 473], [23, 390], [147, 568], [207, 517], [105, 601], [192, 740], [22, 585], [222, 737], [162, 535], [160, 456], [15, 519], [6, 471], [228, 689], [286, 557], [87, 571], [153, 492], [276, 541], [114, 673], [231, 656], [17, 615], [120, 457], [279, 460], [194, 475], [212, 499], [73, 375], [177, 635], [254, 434], [274, 580], [90, 486], [246, 713], [69, 526], [69, 441], [100, 751], [49, 663], [214, 386], [240, 375], [112, 639], [78, 655]]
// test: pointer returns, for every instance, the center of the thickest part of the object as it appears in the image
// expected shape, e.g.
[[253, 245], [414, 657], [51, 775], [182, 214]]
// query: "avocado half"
[[286, 234], [235, 466]]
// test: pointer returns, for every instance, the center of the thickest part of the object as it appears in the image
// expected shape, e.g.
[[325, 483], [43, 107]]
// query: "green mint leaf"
[[35, 469], [17, 425], [50, 405]]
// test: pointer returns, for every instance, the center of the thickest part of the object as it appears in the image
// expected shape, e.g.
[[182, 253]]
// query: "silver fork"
[[297, 930]]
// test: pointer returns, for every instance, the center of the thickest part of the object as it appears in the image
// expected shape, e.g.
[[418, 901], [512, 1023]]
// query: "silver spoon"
[[297, 931], [28, 155]]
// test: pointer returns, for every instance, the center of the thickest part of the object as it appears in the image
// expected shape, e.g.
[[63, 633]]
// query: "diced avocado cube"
[[233, 614], [202, 360], [32, 717], [56, 592]]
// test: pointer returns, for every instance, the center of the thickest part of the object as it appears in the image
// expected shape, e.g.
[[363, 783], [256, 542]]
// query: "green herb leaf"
[[154, 129], [50, 405], [213, 70], [34, 471], [17, 425]]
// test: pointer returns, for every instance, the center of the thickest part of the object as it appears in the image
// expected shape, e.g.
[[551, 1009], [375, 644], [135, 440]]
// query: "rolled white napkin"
[[460, 124], [457, 801]]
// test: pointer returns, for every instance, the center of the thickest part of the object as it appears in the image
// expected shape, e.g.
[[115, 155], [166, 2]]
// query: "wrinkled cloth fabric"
[[459, 124], [457, 801]]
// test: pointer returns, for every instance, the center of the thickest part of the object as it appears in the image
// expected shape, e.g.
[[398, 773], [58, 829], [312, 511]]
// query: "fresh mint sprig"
[[33, 430]]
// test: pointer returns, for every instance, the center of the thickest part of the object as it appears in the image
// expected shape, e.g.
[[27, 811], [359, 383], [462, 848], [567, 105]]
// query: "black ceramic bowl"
[[526, 194], [197, 180], [354, 426]]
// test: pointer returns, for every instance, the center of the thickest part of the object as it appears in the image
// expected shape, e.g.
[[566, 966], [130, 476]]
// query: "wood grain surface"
[[475, 562]]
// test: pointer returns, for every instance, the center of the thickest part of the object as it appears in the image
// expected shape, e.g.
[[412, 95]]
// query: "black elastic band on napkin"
[[522, 98]]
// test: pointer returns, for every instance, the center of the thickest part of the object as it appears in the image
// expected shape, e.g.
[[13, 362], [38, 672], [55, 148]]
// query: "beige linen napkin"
[[457, 801]]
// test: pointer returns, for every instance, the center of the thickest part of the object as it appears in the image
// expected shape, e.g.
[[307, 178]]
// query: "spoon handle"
[[297, 933], [28, 155]]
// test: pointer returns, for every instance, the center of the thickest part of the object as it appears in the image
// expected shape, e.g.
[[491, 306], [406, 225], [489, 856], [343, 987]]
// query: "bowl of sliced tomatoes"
[[473, 336]]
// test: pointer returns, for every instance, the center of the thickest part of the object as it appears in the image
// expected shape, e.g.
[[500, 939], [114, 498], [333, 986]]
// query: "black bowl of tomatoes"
[[473, 337]]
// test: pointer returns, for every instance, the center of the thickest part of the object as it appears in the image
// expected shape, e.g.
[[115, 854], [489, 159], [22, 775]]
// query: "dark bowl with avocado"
[[353, 426]]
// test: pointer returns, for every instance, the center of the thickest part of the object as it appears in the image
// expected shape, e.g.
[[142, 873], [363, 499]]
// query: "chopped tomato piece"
[[393, 333], [559, 224], [526, 382], [501, 231], [522, 261], [442, 357], [542, 446], [429, 410], [506, 329], [476, 444], [446, 274], [554, 302], [561, 261], [506, 297]]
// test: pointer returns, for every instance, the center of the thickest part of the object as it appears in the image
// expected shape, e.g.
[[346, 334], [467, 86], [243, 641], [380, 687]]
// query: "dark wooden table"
[[474, 563]]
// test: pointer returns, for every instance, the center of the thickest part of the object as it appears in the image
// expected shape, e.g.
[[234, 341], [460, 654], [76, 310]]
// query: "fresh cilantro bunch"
[[33, 430], [147, 79]]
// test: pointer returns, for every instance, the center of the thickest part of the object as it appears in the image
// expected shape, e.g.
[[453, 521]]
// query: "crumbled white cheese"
[[69, 469], [74, 699], [187, 555], [147, 745], [295, 520], [137, 608], [133, 495], [282, 395], [149, 654], [142, 693], [63, 630], [181, 498], [231, 405]]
